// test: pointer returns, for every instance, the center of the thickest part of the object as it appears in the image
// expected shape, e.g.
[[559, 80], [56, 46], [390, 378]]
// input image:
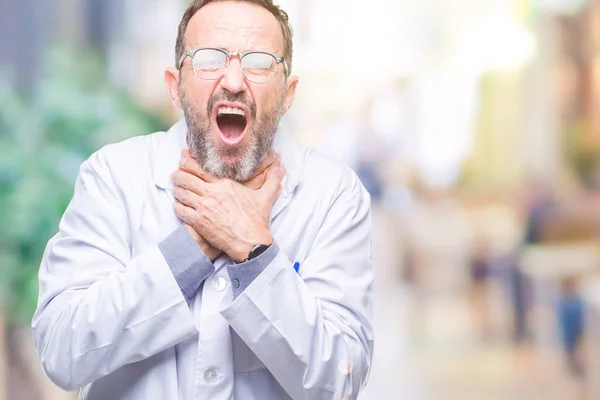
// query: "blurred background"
[[474, 124]]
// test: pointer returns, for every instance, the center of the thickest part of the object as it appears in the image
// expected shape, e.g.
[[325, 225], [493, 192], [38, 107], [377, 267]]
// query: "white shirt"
[[111, 318]]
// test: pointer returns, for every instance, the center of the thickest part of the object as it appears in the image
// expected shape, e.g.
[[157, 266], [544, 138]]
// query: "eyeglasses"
[[211, 63]]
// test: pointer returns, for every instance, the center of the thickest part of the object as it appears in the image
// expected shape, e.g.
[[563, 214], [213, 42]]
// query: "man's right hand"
[[211, 252]]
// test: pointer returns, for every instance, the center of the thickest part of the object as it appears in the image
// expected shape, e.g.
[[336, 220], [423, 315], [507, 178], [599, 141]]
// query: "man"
[[191, 264]]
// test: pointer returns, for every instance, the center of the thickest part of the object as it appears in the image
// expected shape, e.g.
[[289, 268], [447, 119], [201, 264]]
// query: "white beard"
[[209, 154]]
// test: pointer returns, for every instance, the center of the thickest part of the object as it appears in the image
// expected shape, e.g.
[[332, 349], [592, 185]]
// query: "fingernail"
[[182, 161]]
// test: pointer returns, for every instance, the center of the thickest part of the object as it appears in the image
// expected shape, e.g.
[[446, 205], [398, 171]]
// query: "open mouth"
[[231, 122]]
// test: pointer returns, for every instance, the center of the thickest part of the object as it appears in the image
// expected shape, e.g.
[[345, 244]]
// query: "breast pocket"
[[244, 360]]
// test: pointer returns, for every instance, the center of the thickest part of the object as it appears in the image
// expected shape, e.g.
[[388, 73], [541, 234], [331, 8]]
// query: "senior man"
[[220, 259]]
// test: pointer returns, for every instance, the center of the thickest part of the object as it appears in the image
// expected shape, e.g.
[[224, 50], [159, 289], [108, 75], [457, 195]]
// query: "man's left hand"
[[228, 215]]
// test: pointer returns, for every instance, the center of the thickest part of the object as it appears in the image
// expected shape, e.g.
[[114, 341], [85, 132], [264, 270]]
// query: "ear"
[[290, 93], [172, 82]]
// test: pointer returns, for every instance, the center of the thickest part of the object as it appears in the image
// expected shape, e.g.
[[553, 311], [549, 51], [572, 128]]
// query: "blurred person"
[[539, 207], [480, 287], [480, 260], [570, 310], [192, 263], [367, 172], [368, 164]]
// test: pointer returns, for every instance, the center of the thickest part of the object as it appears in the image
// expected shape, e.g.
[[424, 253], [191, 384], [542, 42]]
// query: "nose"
[[233, 80]]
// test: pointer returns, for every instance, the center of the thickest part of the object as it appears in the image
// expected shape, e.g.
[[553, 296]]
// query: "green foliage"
[[74, 112], [582, 149]]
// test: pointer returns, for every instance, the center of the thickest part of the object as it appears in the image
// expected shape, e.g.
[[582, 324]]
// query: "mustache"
[[234, 98]]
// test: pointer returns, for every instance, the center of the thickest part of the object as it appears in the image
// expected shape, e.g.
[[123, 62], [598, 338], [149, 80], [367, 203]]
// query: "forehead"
[[236, 26]]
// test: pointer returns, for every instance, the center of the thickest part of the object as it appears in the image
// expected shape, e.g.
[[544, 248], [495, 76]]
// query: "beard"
[[210, 153]]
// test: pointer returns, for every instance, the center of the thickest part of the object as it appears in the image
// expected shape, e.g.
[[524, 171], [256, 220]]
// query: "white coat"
[[112, 320]]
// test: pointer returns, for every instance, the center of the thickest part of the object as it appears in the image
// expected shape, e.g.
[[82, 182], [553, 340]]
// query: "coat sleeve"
[[313, 330], [99, 308]]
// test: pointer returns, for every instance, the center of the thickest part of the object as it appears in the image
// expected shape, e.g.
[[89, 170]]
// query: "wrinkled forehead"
[[235, 26]]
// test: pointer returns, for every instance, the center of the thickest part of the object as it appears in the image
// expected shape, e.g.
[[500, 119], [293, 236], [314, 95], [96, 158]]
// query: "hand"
[[255, 182], [271, 162], [211, 252], [226, 214]]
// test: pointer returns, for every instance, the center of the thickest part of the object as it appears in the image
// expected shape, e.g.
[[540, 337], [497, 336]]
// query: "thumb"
[[272, 186]]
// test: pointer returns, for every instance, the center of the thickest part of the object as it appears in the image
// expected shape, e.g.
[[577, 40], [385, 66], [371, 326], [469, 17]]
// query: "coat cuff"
[[188, 263], [242, 275]]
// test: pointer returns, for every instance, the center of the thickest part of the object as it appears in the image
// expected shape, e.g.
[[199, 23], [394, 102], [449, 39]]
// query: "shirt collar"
[[167, 148]]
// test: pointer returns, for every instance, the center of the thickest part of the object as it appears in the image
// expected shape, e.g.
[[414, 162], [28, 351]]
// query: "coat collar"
[[167, 148]]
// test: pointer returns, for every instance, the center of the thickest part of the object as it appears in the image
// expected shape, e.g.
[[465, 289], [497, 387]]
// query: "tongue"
[[231, 126]]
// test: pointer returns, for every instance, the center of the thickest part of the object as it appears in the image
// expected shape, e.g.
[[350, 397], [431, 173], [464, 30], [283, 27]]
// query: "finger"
[[184, 213], [271, 159], [189, 182], [272, 167], [189, 164], [272, 186], [192, 232], [186, 197], [256, 182], [259, 181]]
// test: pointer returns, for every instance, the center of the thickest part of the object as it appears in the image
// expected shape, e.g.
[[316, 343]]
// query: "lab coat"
[[112, 321]]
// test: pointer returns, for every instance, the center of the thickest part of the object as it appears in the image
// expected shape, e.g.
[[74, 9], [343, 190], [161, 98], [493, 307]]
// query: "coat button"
[[211, 375], [219, 284], [236, 283]]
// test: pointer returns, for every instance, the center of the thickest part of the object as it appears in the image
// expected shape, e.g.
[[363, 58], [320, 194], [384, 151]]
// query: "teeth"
[[231, 110]]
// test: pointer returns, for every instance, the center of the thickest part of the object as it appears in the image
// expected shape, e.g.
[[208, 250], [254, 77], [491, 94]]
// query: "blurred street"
[[434, 348]]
